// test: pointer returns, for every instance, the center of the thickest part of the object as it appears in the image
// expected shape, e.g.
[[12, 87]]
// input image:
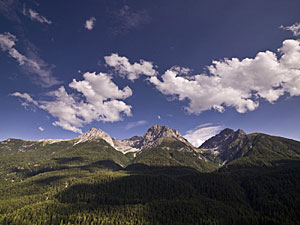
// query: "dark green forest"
[[92, 183]]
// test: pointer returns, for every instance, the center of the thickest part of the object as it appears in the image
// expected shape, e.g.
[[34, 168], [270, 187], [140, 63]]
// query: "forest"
[[91, 183]]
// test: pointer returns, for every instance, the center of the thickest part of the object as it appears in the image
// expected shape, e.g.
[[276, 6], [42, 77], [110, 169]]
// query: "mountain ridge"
[[153, 137], [226, 145], [166, 146]]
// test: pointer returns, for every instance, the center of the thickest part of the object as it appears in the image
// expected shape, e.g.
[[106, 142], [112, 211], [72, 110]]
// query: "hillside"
[[165, 180], [236, 147], [266, 150]]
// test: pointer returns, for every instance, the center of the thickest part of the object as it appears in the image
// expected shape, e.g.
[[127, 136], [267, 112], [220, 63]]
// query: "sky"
[[122, 66]]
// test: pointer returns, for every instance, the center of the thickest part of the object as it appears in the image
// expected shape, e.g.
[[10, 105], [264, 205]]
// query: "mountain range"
[[157, 178], [163, 146]]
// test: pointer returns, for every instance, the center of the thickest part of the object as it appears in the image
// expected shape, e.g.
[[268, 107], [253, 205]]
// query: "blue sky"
[[122, 66]]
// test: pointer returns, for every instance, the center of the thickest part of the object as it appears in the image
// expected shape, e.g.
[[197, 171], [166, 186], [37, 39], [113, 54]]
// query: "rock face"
[[154, 136], [227, 145], [93, 135], [124, 146], [134, 141]]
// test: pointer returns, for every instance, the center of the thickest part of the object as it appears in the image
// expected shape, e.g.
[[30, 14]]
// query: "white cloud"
[[135, 124], [237, 83], [131, 71], [99, 102], [25, 96], [35, 16], [7, 41], [32, 65], [201, 133], [295, 29], [181, 70], [89, 24], [41, 129], [158, 117]]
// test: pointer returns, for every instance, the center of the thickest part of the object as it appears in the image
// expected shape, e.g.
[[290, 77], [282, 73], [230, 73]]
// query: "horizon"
[[197, 67], [188, 139]]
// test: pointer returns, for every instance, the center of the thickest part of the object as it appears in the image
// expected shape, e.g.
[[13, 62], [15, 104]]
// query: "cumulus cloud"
[[180, 70], [100, 101], [135, 124], [131, 71], [41, 129], [295, 29], [237, 83], [31, 64], [201, 133], [89, 24], [35, 16]]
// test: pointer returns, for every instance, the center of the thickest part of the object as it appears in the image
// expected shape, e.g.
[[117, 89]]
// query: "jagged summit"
[[222, 138], [226, 131], [162, 142], [157, 132], [153, 137], [227, 144], [94, 134], [240, 132]]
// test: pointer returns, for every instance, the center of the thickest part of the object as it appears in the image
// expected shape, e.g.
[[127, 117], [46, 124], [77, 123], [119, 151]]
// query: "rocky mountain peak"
[[227, 144], [94, 134], [240, 132], [153, 137], [226, 131], [157, 132], [225, 136]]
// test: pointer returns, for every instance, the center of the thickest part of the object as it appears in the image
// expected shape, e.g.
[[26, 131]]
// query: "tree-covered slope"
[[236, 147], [90, 182], [174, 153], [161, 195], [17, 165], [262, 150]]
